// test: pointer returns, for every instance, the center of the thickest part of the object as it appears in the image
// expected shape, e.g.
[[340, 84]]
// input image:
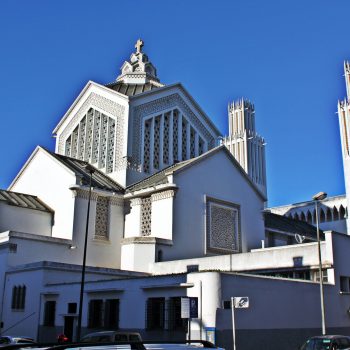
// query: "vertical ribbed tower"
[[244, 143], [344, 124]]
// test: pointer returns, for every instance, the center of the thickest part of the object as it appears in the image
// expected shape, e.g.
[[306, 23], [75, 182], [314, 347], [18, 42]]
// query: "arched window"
[[296, 216], [322, 216], [309, 217], [329, 215], [341, 213], [335, 214], [302, 216]]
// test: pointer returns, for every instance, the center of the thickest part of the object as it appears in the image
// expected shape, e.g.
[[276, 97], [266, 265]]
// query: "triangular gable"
[[195, 105], [88, 88], [189, 163]]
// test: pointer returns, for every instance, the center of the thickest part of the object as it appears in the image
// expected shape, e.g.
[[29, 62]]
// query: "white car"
[[8, 340]]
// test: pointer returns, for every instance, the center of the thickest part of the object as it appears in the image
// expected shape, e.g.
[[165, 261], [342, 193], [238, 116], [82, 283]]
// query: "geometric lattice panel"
[[146, 216], [223, 226], [102, 213]]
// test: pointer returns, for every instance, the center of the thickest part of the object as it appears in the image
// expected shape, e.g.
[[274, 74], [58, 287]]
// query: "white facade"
[[171, 214]]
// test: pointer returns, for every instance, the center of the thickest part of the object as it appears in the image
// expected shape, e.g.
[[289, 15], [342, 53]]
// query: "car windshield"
[[5, 340], [318, 344]]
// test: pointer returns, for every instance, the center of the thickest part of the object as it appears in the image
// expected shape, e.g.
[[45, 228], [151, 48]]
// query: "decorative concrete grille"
[[89, 129], [68, 146], [147, 145], [175, 135], [81, 144], [75, 142], [200, 146], [223, 226], [184, 139], [103, 142], [146, 215], [160, 147], [166, 138], [96, 142], [156, 142], [111, 145], [94, 139], [192, 143], [156, 107], [101, 224]]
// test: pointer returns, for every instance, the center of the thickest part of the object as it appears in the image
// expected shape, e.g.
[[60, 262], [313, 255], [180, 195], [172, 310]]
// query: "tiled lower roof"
[[158, 178], [99, 179], [289, 225], [23, 200]]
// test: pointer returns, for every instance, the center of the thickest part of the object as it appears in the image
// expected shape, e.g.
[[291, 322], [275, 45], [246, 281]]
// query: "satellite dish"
[[299, 238]]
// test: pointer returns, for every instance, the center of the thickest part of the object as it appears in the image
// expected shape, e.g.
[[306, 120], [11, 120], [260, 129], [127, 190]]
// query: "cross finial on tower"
[[139, 45]]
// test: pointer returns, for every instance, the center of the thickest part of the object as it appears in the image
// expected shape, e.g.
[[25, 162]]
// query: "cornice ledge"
[[162, 195]]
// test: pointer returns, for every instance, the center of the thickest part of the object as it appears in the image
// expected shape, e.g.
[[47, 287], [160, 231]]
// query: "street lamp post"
[[91, 170], [317, 197]]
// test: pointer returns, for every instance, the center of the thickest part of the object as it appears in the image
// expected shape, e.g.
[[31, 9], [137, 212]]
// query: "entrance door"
[[69, 327]]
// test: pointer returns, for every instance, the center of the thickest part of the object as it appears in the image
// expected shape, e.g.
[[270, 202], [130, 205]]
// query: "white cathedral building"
[[162, 225]]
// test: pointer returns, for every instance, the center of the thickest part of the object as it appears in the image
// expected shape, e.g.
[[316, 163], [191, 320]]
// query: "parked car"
[[7, 340], [327, 342], [111, 336]]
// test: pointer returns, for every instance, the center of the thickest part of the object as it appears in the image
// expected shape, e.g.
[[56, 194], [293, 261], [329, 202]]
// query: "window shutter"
[[149, 318], [91, 316]]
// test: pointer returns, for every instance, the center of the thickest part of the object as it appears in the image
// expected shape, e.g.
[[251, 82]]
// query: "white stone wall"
[[258, 259], [216, 177], [13, 218], [46, 178]]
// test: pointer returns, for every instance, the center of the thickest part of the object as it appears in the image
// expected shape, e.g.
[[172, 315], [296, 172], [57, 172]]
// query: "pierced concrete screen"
[[223, 226]]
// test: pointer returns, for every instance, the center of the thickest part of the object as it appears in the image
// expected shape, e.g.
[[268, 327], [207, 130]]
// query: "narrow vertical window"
[[155, 308], [96, 137], [95, 313], [184, 139], [49, 313], [166, 138], [156, 148], [147, 146], [175, 136]]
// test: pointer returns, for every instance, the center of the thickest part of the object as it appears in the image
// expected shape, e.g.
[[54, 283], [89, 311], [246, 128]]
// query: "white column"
[[171, 135], [179, 134], [196, 144], [161, 141], [188, 143], [151, 147]]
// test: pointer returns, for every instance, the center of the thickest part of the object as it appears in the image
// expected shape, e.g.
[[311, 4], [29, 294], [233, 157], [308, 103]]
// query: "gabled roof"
[[161, 176], [99, 179], [275, 222], [158, 178], [23, 200], [132, 89]]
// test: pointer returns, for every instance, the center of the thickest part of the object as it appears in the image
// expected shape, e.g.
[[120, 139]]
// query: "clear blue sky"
[[285, 56]]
